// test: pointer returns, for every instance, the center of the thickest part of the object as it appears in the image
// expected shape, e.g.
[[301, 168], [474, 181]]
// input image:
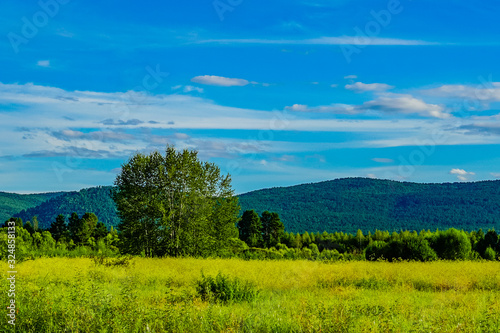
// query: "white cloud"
[[192, 88], [362, 87], [382, 160], [182, 136], [461, 174], [340, 40], [495, 174], [286, 158], [371, 175], [214, 80], [405, 104], [334, 108], [334, 85], [43, 63], [350, 77], [386, 103], [488, 92]]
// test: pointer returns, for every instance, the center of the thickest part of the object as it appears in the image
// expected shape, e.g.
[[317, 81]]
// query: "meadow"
[[161, 295]]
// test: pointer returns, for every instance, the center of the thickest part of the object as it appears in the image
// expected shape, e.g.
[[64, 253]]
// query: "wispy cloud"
[[482, 128], [339, 40], [406, 104], [333, 108], [43, 63], [188, 88], [461, 174], [363, 87], [487, 92], [214, 80], [382, 160], [388, 103]]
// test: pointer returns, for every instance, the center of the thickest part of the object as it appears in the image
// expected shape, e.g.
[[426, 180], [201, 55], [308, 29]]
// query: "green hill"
[[360, 203], [345, 205], [96, 200], [12, 203]]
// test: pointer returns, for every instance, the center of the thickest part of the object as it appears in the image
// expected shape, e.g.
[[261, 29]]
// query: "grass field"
[[160, 295]]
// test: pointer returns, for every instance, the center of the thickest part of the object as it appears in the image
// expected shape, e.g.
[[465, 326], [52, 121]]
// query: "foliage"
[[452, 244], [174, 204], [224, 289], [250, 228]]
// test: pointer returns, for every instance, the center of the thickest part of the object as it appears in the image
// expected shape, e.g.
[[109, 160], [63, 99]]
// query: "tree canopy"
[[174, 204]]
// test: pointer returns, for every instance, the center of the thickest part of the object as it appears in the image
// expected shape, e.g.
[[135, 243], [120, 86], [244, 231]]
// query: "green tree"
[[35, 223], [73, 227], [174, 204], [490, 254], [100, 231], [306, 239], [85, 232], [452, 244], [250, 228], [272, 228], [29, 227], [58, 228]]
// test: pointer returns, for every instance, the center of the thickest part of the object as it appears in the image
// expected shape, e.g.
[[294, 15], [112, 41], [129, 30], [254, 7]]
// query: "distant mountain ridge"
[[346, 204], [95, 200], [350, 204], [12, 203]]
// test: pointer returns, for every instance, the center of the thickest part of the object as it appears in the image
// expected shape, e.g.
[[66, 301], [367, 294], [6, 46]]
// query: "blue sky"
[[276, 93]]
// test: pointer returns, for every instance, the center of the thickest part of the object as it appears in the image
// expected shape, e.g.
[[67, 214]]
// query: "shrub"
[[224, 289], [490, 254]]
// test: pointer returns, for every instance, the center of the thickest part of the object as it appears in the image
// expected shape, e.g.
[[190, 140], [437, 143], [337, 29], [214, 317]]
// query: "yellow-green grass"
[[158, 295]]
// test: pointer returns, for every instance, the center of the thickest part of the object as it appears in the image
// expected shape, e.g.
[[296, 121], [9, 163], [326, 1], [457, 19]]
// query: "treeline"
[[75, 237], [262, 237]]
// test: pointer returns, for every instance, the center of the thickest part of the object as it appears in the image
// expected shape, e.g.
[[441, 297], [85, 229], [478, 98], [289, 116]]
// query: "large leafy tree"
[[174, 204]]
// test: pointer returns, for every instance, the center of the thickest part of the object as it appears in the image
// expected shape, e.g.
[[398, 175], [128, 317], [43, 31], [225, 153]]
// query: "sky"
[[276, 93]]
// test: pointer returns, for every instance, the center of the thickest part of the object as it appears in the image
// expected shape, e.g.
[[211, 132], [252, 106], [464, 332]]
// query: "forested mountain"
[[345, 205], [360, 203], [95, 200], [12, 203]]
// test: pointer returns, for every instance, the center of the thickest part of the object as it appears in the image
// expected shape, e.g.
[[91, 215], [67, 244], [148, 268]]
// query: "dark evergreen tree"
[[100, 231], [250, 228], [272, 228], [29, 227], [73, 227], [58, 228]]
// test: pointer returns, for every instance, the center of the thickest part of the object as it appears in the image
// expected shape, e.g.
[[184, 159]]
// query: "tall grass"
[[161, 295]]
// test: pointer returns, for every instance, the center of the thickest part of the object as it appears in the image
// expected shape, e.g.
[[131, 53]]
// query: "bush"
[[224, 289], [452, 245], [490, 254]]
